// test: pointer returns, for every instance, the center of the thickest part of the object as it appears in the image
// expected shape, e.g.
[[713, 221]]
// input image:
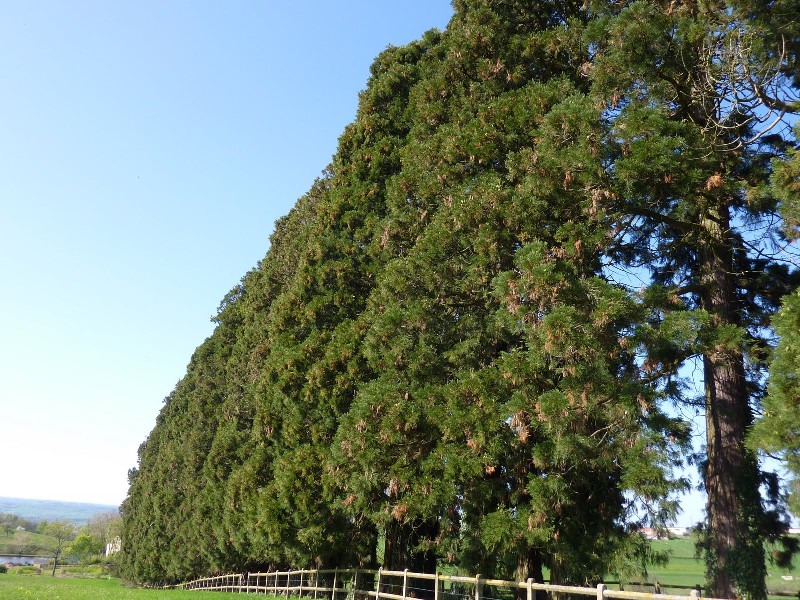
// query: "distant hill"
[[53, 510]]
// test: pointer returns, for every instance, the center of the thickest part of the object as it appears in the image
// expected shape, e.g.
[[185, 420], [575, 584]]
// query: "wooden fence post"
[[530, 589], [355, 584], [316, 583], [478, 587], [601, 591], [301, 582], [378, 584], [695, 593], [436, 584], [288, 579], [333, 589]]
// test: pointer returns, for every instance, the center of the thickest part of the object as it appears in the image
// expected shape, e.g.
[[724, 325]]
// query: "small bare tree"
[[62, 532]]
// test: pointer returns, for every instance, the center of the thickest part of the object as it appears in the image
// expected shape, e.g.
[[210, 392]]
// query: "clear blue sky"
[[146, 149]]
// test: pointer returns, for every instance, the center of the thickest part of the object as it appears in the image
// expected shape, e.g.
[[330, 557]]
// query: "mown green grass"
[[685, 570], [32, 587]]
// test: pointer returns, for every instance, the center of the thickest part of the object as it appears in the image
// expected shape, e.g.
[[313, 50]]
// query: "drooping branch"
[[743, 103]]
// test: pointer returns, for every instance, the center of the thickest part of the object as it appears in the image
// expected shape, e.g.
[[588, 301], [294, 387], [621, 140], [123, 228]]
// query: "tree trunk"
[[395, 549], [529, 565], [730, 476], [401, 552], [724, 442]]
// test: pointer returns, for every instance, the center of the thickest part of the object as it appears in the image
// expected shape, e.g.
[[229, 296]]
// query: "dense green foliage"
[[442, 357], [778, 431], [83, 546]]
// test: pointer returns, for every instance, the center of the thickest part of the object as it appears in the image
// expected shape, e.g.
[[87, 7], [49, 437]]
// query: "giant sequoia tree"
[[504, 422], [696, 95], [438, 352]]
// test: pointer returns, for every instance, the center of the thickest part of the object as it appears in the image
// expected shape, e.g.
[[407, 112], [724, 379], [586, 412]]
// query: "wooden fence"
[[366, 584]]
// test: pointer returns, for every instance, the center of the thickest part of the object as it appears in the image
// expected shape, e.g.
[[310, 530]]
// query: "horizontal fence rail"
[[381, 584]]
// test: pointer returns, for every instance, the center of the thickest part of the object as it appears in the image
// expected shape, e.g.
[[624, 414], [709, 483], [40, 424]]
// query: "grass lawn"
[[684, 569], [32, 587]]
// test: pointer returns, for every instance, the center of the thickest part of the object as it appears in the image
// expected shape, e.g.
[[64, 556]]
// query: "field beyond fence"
[[366, 584]]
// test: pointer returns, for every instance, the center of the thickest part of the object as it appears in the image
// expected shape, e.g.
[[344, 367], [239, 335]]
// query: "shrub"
[[3, 569]]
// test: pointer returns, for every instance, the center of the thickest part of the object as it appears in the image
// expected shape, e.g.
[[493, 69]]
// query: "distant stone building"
[[114, 546]]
